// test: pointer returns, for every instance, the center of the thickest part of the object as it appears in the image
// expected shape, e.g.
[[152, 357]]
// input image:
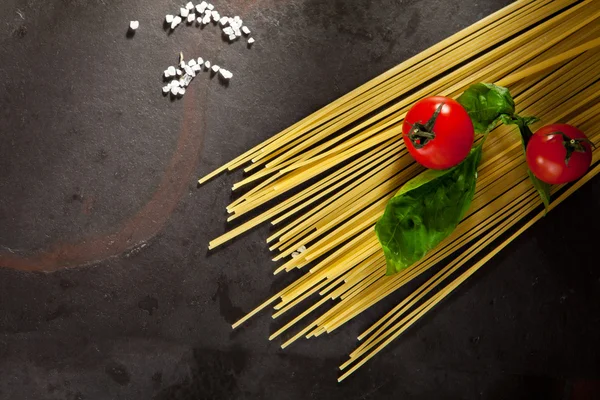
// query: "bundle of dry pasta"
[[326, 179]]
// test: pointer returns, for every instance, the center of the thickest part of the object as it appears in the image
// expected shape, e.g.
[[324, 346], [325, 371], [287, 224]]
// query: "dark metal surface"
[[97, 173]]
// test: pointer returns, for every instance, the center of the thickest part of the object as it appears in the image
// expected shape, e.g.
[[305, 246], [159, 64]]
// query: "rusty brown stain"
[[142, 226]]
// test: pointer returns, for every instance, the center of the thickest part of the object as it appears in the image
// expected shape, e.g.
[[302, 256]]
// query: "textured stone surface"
[[97, 172]]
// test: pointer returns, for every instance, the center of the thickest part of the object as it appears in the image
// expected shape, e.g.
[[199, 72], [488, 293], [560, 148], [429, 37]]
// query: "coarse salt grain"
[[186, 80], [215, 68], [133, 25], [172, 71], [207, 64], [176, 21], [189, 6], [168, 18], [225, 74], [166, 89], [184, 12], [245, 30], [232, 38], [223, 21], [200, 61], [251, 40], [189, 71], [191, 18], [210, 6], [179, 71]]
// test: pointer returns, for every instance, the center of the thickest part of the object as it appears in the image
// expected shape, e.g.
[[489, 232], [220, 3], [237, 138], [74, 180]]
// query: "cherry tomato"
[[558, 153], [438, 132]]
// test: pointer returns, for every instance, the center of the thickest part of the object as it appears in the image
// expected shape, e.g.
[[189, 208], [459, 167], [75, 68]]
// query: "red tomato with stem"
[[559, 153], [438, 132]]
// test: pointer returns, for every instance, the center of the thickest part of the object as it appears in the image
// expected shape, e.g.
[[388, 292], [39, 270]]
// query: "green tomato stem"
[[420, 134]]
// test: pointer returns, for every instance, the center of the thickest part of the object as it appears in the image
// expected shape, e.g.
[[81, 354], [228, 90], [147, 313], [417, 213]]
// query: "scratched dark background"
[[98, 171]]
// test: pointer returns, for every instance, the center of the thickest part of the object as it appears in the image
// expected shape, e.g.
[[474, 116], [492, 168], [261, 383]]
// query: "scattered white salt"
[[201, 7], [176, 21], [186, 80], [189, 71], [225, 74]]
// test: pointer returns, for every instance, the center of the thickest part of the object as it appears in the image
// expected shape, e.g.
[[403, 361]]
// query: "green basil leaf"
[[523, 123], [486, 103], [542, 188], [425, 211]]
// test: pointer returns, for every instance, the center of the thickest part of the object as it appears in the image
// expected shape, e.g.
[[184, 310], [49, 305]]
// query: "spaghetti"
[[325, 180]]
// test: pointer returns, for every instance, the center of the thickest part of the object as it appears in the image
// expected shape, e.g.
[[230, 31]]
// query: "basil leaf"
[[542, 188], [486, 103], [523, 123], [425, 211]]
